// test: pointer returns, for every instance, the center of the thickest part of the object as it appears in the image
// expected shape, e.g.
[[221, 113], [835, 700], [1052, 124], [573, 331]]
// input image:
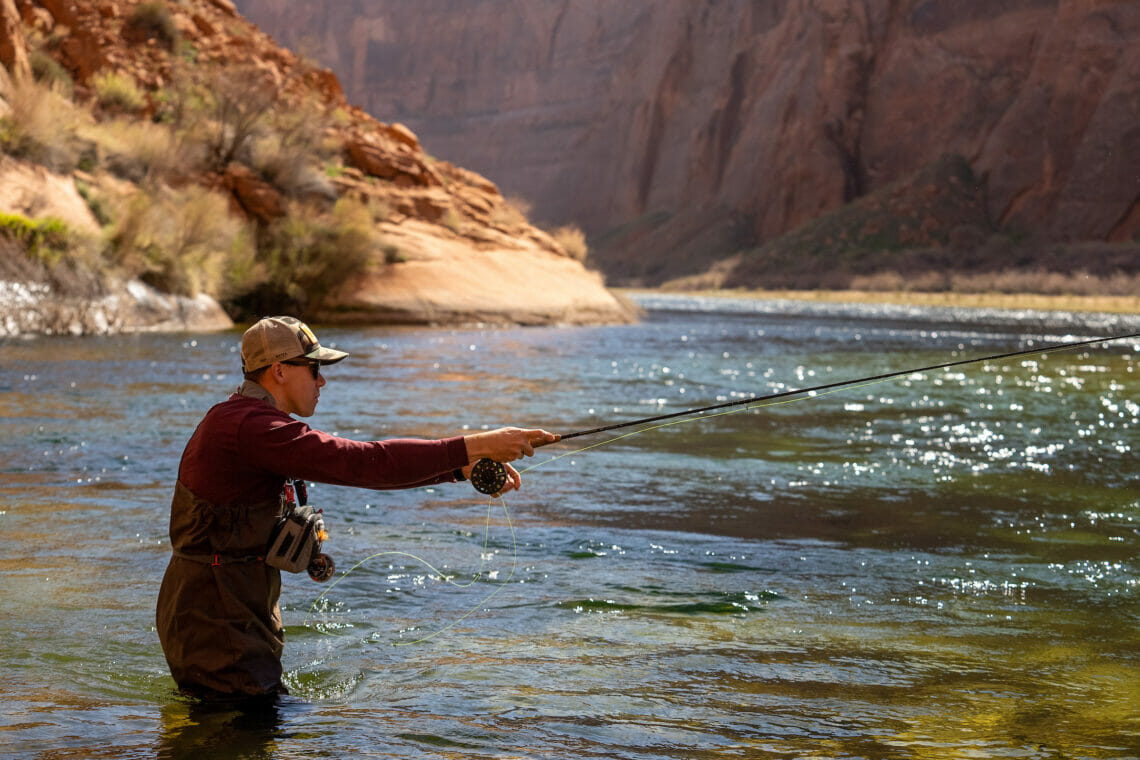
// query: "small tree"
[[240, 102]]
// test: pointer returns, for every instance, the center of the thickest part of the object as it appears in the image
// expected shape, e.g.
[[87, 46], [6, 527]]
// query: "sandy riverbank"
[[1012, 301]]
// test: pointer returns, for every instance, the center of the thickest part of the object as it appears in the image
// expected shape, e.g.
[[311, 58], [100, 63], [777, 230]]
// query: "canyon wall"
[[679, 131]]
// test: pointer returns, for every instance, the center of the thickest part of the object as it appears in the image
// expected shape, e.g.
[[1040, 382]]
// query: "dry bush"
[[1077, 283], [888, 281], [140, 151], [291, 149], [511, 211], [241, 104], [572, 240], [43, 126], [182, 241], [152, 20], [216, 116], [1009, 281]]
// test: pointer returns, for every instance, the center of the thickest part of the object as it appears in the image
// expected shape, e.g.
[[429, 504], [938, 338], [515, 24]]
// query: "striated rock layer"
[[677, 131]]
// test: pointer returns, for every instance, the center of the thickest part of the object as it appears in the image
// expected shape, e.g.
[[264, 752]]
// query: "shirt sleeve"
[[288, 447]]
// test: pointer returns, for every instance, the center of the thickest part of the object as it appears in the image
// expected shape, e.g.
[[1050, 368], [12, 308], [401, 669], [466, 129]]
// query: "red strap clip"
[[217, 561]]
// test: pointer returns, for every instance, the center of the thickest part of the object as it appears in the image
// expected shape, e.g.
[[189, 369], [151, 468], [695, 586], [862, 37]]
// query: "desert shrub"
[[393, 254], [137, 150], [511, 211], [305, 256], [48, 252], [116, 91], [48, 71], [292, 169], [182, 241], [1076, 283], [291, 148], [42, 126], [240, 102], [45, 240], [1006, 281], [95, 202], [572, 240], [152, 20], [218, 115]]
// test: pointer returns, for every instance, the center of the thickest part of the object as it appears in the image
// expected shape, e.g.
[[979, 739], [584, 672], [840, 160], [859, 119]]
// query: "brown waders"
[[217, 616]]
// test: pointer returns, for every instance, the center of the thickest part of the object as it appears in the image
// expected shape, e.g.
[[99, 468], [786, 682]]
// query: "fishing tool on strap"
[[296, 540], [489, 476]]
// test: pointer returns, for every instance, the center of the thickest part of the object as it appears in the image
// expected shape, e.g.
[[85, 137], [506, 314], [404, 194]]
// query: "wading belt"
[[217, 560]]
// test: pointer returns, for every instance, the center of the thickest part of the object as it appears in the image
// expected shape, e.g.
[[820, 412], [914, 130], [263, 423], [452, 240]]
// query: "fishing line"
[[495, 475], [445, 576]]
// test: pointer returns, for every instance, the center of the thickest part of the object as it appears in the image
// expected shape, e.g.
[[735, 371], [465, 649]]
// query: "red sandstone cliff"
[[455, 250], [676, 132]]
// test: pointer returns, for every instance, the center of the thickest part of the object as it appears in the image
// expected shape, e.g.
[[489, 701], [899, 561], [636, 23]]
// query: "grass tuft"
[[117, 92]]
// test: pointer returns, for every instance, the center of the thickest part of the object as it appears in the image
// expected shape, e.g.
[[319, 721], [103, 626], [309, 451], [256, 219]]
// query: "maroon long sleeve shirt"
[[245, 447]]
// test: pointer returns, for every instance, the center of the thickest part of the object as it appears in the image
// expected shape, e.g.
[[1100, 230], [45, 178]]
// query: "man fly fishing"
[[238, 515]]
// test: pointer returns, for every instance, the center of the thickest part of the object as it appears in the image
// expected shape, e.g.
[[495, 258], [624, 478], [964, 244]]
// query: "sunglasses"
[[314, 367]]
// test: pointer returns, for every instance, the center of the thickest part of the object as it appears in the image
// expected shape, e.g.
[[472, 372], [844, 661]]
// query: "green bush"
[[95, 202], [305, 256], [49, 72], [118, 92], [45, 240]]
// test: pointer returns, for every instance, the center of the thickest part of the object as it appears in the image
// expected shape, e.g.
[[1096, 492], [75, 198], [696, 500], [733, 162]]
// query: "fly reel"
[[488, 476]]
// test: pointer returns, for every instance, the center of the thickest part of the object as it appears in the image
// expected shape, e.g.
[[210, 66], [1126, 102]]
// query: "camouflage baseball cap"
[[279, 339]]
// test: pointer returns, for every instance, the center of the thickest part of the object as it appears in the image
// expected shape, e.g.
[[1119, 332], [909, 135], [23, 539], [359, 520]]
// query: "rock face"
[[35, 308], [678, 131], [432, 209]]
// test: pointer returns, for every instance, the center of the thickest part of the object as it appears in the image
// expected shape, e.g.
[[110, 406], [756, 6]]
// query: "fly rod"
[[489, 476]]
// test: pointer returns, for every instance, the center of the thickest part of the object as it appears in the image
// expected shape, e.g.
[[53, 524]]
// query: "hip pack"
[[295, 543]]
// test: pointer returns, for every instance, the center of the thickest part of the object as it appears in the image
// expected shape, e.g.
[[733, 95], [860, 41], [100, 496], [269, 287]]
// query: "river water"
[[940, 565]]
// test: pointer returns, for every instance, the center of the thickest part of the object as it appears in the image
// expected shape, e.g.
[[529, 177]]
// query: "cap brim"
[[326, 355]]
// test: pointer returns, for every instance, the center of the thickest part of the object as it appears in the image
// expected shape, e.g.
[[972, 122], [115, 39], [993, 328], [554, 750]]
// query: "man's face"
[[301, 389]]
